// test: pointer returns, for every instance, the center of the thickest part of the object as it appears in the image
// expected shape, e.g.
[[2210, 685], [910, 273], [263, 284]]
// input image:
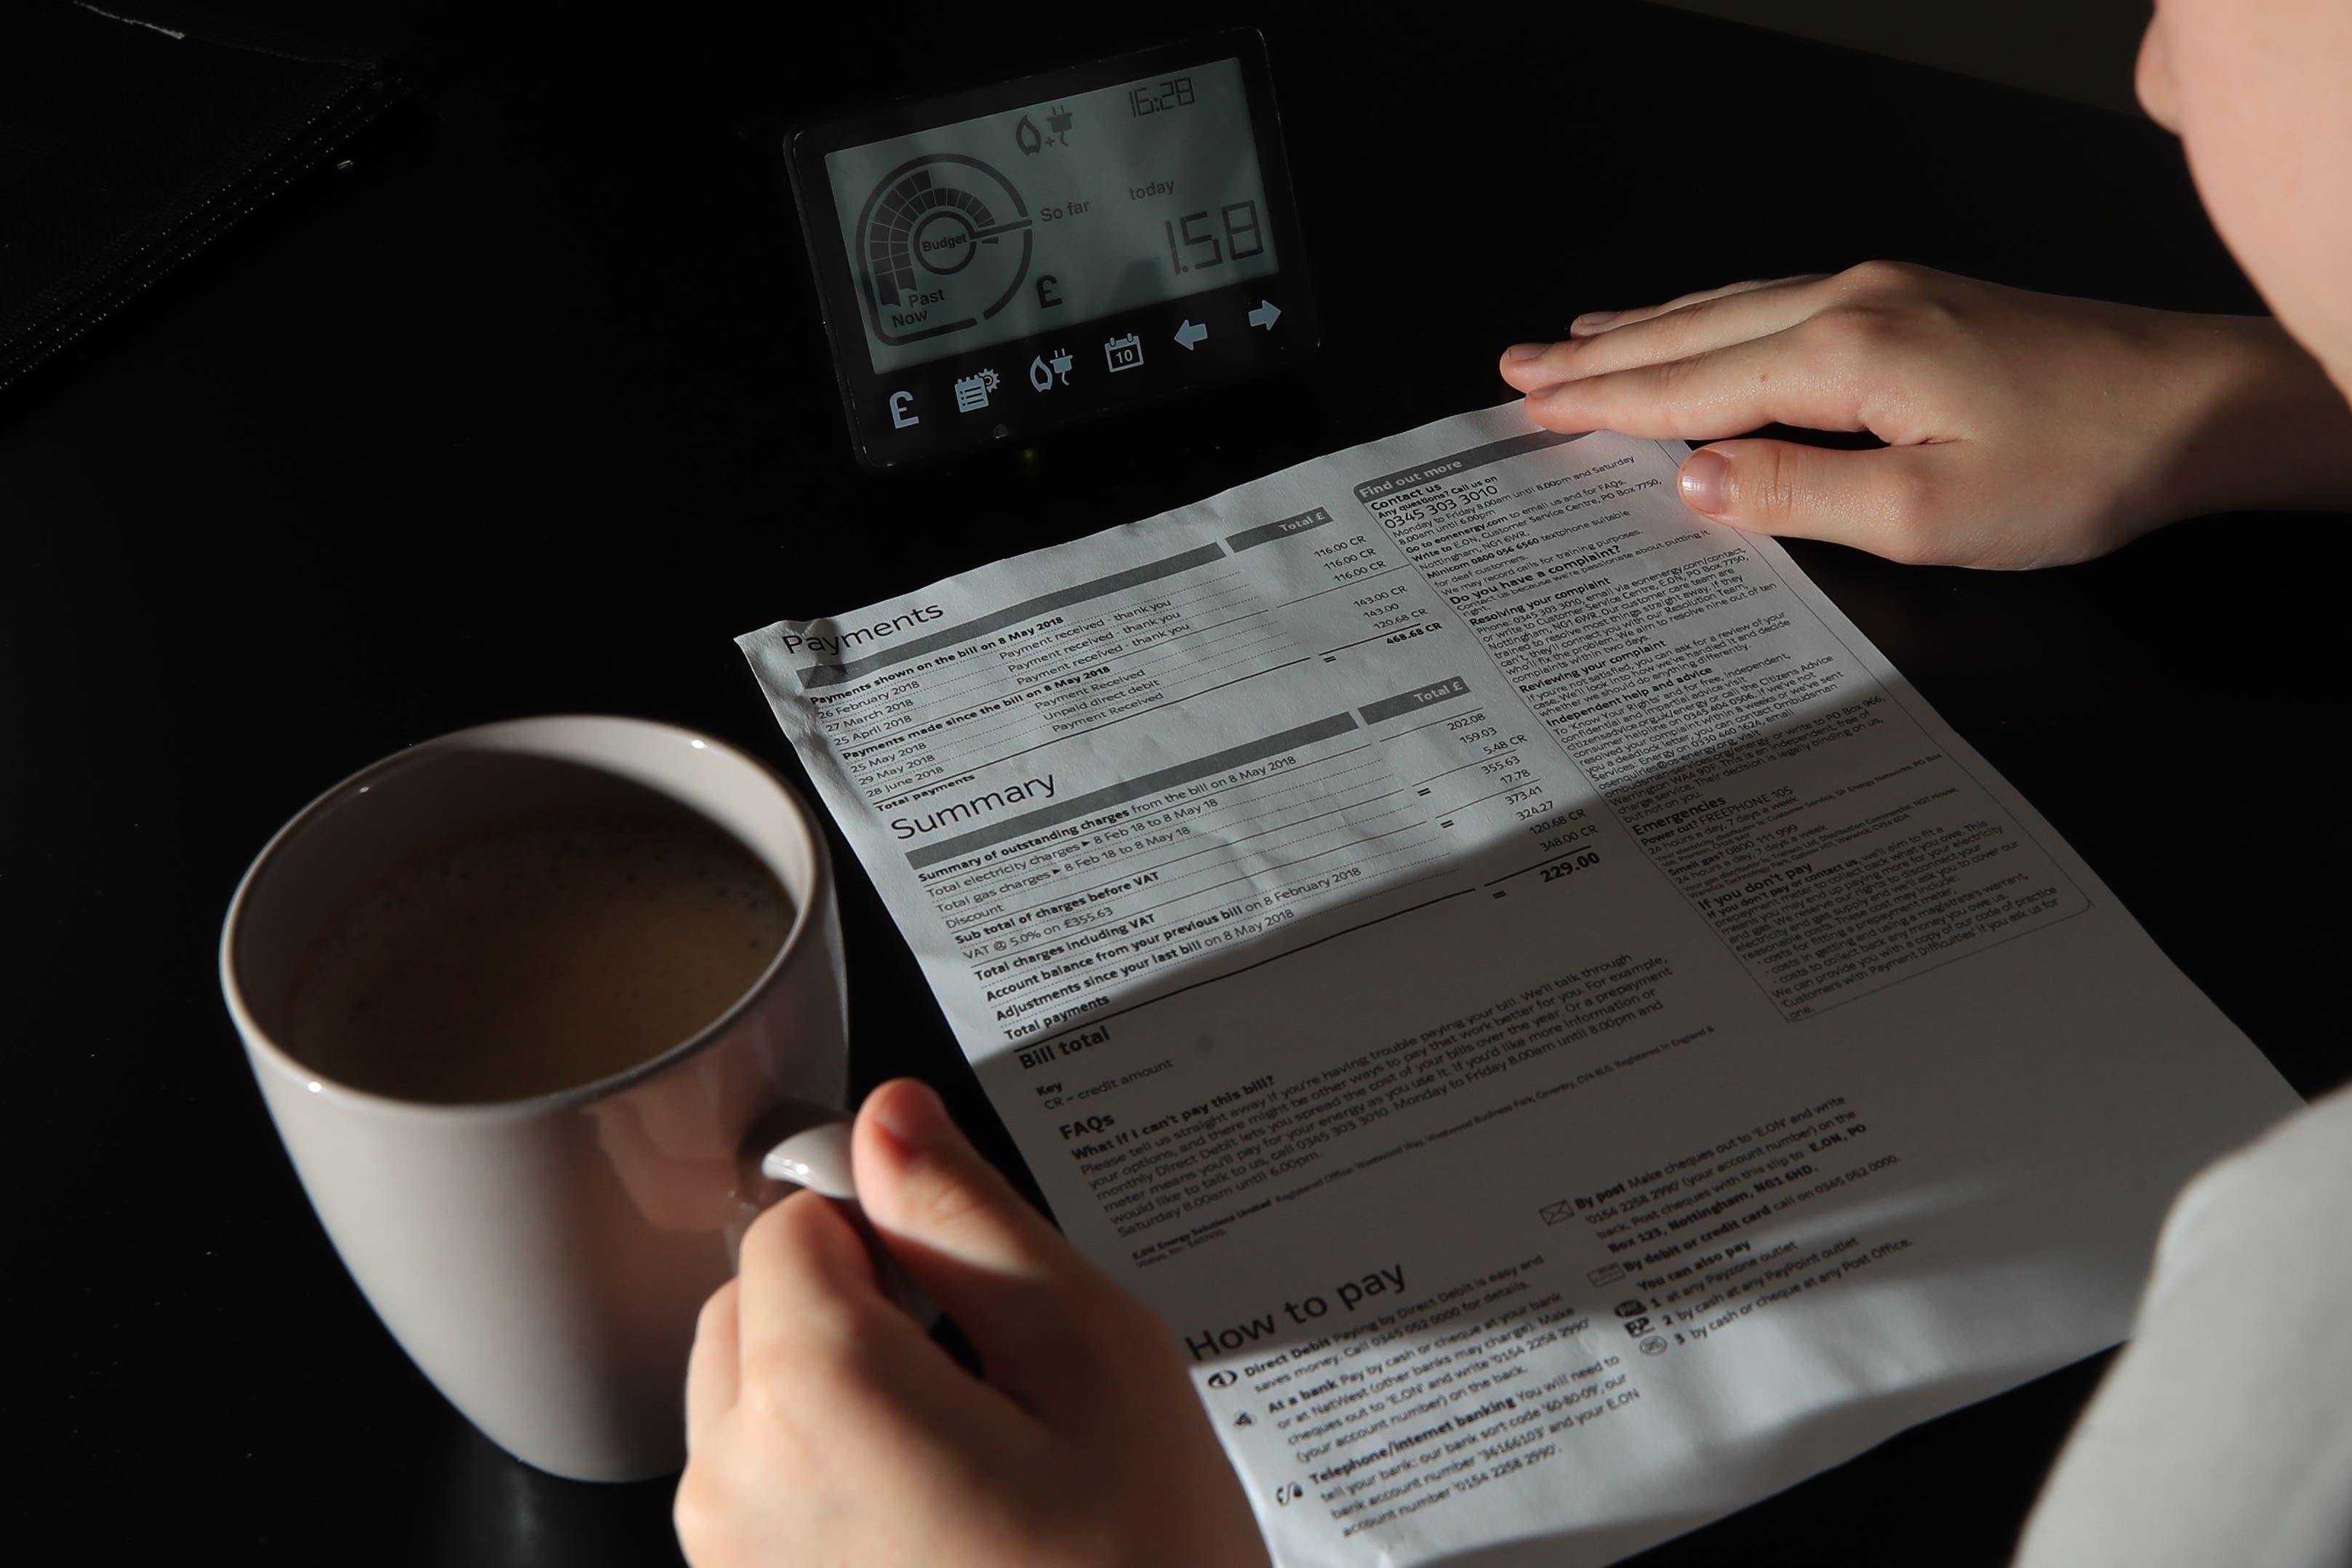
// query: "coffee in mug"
[[536, 954]]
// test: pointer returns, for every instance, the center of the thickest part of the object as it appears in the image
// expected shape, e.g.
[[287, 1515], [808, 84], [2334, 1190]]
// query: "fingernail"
[[914, 1117], [1702, 479], [1527, 351], [1594, 319]]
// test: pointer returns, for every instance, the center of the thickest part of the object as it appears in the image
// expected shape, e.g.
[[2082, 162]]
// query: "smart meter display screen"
[[1003, 261], [1073, 209]]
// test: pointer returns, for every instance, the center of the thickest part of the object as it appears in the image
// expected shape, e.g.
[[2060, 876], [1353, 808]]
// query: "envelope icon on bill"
[[1555, 1213]]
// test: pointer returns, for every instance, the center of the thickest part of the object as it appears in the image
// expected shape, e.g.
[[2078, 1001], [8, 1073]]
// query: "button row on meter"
[[1046, 373]]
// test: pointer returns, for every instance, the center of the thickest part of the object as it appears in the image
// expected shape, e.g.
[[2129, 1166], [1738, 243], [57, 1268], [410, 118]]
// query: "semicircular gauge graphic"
[[944, 241]]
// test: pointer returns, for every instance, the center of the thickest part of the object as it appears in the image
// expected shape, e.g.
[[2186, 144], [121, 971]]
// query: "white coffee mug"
[[542, 1261]]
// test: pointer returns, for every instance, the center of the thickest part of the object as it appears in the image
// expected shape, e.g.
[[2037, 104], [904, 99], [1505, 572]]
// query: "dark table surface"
[[529, 411]]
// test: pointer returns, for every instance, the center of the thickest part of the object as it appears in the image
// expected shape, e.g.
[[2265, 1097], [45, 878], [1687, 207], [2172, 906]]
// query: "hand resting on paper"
[[2022, 430], [823, 1427]]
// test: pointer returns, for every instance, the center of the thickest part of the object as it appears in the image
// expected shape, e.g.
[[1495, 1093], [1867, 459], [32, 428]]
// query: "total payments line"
[[970, 770], [1091, 1020]]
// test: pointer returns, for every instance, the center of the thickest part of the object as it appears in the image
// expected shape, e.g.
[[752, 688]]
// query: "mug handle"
[[817, 1157]]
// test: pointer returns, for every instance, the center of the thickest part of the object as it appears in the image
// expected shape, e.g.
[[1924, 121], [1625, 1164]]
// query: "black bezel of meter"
[[910, 415]]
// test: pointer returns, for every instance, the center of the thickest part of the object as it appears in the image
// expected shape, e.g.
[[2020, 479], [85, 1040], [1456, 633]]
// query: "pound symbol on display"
[[971, 392]]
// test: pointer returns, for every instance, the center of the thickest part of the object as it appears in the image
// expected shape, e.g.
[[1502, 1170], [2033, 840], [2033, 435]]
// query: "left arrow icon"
[[1191, 332]]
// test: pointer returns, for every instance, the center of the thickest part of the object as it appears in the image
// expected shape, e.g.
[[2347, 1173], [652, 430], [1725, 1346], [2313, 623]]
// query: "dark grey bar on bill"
[[1129, 789], [1461, 462], [1282, 528], [1012, 614], [1420, 696]]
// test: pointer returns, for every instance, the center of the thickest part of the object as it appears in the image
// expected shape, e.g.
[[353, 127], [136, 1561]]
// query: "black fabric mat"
[[133, 136]]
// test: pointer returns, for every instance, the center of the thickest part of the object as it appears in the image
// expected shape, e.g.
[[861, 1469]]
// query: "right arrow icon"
[[1265, 315]]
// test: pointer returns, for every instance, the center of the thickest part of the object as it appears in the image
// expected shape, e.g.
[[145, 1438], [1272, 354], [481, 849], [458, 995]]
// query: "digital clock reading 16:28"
[[1174, 93], [1240, 220]]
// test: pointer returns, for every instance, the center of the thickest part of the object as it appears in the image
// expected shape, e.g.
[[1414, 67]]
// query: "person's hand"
[[2022, 429], [823, 1427]]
